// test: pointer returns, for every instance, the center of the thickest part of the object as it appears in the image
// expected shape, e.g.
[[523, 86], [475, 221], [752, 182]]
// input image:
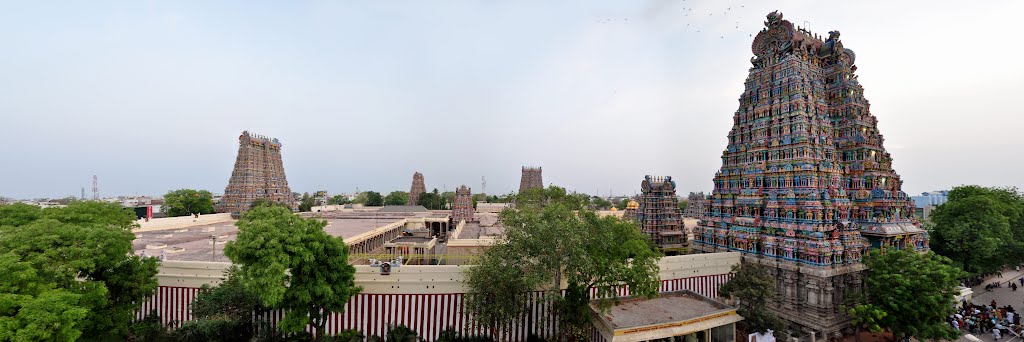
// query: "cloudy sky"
[[152, 95]]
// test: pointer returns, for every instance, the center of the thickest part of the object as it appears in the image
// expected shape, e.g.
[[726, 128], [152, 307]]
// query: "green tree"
[[373, 199], [754, 287], [306, 203], [85, 249], [291, 263], [916, 292], [32, 308], [866, 317], [598, 203], [397, 198], [432, 200], [981, 228], [185, 202], [551, 239], [338, 200], [683, 204], [622, 204], [222, 313]]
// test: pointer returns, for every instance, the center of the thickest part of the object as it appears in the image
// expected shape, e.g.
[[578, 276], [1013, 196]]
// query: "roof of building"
[[667, 308], [669, 314], [403, 209]]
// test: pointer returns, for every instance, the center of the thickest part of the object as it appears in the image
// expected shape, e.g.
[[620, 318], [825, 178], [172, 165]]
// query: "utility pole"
[[213, 250]]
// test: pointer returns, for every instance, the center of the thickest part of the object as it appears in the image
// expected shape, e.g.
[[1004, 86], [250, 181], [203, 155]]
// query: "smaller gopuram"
[[258, 174], [462, 209], [417, 188], [696, 204], [659, 216], [531, 179]]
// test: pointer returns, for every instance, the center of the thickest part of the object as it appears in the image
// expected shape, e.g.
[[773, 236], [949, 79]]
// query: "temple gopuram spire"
[[806, 185]]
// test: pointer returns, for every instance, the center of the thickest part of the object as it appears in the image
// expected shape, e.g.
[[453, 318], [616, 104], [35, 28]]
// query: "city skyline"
[[151, 97]]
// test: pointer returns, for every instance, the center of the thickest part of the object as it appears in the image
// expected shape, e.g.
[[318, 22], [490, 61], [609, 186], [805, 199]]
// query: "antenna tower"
[[483, 184], [95, 188]]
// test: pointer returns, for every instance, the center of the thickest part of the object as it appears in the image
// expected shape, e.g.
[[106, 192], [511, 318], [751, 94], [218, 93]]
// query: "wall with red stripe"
[[428, 314]]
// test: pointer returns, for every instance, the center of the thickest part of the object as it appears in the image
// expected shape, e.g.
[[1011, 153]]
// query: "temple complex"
[[258, 174], [696, 204], [531, 179], [806, 186], [417, 188], [462, 208], [658, 214]]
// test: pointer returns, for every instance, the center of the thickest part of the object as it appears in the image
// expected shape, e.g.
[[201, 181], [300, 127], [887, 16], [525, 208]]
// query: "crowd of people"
[[981, 319]]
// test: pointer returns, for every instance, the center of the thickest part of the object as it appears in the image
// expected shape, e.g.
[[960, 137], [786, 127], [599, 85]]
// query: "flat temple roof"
[[667, 308]]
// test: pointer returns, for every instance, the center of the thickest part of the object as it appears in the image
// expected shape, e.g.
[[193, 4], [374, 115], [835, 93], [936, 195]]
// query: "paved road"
[[1003, 296]]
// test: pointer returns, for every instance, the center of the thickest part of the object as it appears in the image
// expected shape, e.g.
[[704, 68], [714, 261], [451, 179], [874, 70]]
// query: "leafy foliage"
[[450, 335], [551, 238], [290, 262], [432, 200], [222, 313], [34, 309], [338, 200], [867, 317], [754, 287], [915, 291], [400, 333], [397, 198], [981, 228], [81, 258], [186, 202], [373, 199], [306, 202]]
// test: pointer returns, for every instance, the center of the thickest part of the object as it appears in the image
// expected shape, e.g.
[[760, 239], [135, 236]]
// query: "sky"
[[151, 96]]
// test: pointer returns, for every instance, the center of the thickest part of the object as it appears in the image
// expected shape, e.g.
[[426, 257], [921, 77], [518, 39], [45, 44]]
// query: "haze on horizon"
[[152, 95]]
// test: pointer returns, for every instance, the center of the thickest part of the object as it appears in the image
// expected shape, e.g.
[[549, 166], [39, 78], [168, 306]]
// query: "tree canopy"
[[432, 200], [185, 202], [373, 199], [981, 228], [306, 203], [397, 198], [550, 239], [754, 287], [77, 272], [910, 293], [289, 262], [338, 200]]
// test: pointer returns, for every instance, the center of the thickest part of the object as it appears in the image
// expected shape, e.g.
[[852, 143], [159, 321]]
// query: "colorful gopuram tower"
[[531, 179], [417, 188], [696, 205], [462, 208], [806, 186], [659, 216], [258, 174]]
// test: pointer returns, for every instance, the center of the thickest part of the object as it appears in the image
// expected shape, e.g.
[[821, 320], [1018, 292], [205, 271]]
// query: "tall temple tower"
[[696, 205], [531, 179], [658, 214], [258, 174], [417, 188], [806, 185], [462, 208]]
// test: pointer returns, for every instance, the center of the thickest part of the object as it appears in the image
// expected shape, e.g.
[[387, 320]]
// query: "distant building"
[[924, 204]]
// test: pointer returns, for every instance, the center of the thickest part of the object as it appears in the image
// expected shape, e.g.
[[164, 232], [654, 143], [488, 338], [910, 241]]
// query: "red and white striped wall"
[[427, 314]]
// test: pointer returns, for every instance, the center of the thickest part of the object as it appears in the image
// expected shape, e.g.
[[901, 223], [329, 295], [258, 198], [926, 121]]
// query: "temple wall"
[[181, 222], [426, 298]]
